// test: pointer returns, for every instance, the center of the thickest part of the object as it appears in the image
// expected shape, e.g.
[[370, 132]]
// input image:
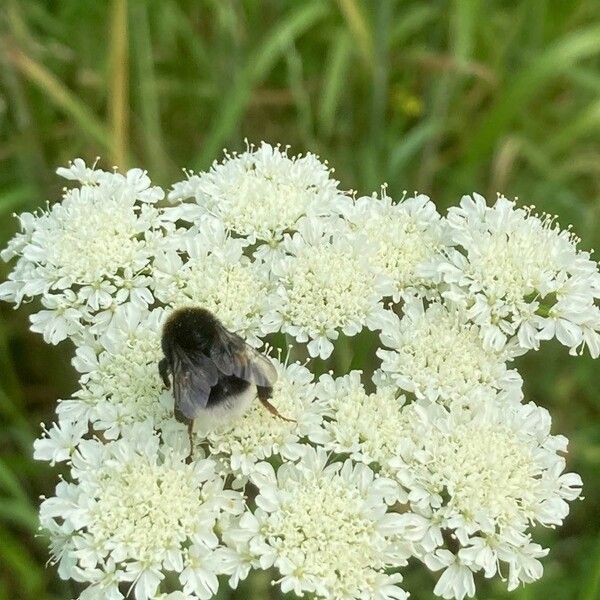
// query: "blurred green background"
[[444, 97]]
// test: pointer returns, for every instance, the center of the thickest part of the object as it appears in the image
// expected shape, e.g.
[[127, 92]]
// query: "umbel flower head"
[[437, 458], [324, 527], [407, 235], [519, 274], [135, 511], [88, 253], [120, 384], [258, 194], [439, 355], [365, 426], [327, 284], [486, 473], [208, 268]]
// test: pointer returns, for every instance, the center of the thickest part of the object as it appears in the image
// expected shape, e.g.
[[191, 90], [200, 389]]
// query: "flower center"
[[328, 287], [324, 533], [145, 509], [486, 470], [90, 236]]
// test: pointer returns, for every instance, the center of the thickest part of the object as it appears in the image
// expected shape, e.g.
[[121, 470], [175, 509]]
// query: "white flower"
[[486, 474], [407, 235], [79, 171], [235, 559], [78, 252], [120, 383], [519, 274], [439, 355], [199, 574], [93, 233], [257, 434], [326, 284], [134, 512], [456, 580], [259, 194], [325, 529], [63, 317], [523, 563], [209, 269], [58, 443]]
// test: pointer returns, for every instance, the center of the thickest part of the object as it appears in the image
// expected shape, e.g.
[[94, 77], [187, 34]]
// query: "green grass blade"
[[189, 36], [359, 28], [410, 22], [585, 78], [62, 97], [19, 513], [119, 83], [464, 28], [259, 63], [336, 67], [409, 146], [300, 96], [373, 152], [585, 124], [558, 59], [25, 136], [10, 484], [148, 101]]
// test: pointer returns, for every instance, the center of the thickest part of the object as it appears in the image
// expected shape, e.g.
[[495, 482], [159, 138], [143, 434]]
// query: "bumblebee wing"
[[194, 374], [233, 356]]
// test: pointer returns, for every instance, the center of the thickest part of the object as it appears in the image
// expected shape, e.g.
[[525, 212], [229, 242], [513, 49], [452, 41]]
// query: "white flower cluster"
[[260, 194], [439, 354], [519, 274], [437, 457], [406, 235], [482, 475], [120, 384], [325, 528], [327, 282], [136, 512], [88, 254], [208, 268]]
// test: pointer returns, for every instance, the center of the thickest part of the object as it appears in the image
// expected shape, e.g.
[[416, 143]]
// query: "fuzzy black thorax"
[[190, 328]]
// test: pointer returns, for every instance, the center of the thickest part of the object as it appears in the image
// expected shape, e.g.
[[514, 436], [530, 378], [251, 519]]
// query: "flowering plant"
[[436, 458]]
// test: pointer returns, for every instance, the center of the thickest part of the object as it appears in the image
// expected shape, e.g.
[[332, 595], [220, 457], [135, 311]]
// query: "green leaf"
[[257, 67], [20, 513], [336, 67], [62, 97], [519, 90], [10, 484]]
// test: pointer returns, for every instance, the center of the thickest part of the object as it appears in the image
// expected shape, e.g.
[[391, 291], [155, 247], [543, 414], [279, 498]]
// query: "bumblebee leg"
[[264, 393], [163, 369], [190, 429]]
